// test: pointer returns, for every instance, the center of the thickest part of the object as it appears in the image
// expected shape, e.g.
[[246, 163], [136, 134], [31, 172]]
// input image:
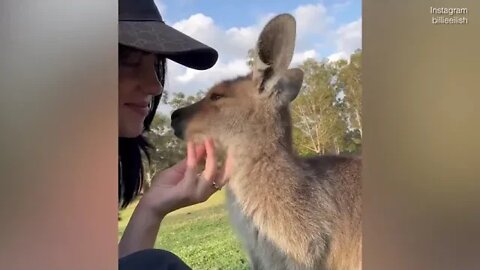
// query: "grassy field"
[[199, 234]]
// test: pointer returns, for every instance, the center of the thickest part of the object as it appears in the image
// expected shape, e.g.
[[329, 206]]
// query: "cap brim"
[[159, 38]]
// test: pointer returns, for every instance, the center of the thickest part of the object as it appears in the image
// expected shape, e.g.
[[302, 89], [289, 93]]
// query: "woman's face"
[[137, 85]]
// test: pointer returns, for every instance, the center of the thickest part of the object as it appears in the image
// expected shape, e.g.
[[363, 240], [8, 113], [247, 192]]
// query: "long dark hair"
[[131, 150]]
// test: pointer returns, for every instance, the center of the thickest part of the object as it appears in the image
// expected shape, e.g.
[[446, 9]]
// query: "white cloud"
[[198, 26], [233, 44], [337, 56], [348, 39], [311, 19], [190, 81], [300, 57], [230, 43], [242, 38], [350, 36]]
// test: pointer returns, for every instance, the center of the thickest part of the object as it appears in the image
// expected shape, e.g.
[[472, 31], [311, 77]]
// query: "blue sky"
[[230, 13], [325, 29]]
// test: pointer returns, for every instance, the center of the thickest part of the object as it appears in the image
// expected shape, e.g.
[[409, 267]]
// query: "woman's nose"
[[149, 79]]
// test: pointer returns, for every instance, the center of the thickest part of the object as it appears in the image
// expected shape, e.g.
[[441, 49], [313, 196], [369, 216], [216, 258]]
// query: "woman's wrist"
[[158, 205], [148, 208]]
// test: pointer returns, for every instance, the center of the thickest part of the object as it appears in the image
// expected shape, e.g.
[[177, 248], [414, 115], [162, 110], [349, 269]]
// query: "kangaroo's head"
[[249, 108]]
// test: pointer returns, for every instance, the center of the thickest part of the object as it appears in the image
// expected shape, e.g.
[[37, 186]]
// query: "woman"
[[144, 44]]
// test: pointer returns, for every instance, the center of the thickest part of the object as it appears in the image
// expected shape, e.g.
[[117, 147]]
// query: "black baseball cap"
[[141, 26]]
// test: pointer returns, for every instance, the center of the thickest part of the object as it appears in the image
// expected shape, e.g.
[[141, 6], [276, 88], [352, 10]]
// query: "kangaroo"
[[290, 212]]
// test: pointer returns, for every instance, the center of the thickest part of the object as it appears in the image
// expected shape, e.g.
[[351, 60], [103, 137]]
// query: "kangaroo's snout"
[[178, 124]]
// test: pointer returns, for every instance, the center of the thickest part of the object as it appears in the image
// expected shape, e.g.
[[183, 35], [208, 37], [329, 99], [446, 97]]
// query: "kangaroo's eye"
[[215, 97]]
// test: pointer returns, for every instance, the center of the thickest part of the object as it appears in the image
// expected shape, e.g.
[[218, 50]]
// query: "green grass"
[[200, 234]]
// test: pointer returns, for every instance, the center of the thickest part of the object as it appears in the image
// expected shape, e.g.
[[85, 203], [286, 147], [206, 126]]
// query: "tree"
[[327, 113], [353, 141], [349, 82], [318, 125], [180, 100]]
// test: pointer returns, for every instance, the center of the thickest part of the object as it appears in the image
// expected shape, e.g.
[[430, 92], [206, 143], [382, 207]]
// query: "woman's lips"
[[140, 108]]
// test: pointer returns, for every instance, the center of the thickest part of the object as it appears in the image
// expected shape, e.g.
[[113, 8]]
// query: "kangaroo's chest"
[[263, 254], [243, 225]]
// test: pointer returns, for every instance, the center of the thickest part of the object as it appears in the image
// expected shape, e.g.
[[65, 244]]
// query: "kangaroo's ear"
[[274, 51], [289, 85]]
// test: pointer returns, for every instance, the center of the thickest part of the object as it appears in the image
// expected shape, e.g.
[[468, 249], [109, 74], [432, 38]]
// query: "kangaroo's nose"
[[175, 115], [177, 124]]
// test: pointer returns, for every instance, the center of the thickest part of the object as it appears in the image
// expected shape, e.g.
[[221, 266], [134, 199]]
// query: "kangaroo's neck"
[[265, 164], [272, 135], [265, 155]]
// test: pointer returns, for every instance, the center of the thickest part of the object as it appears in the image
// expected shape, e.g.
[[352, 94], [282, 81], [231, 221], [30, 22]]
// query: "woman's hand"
[[171, 189], [182, 185]]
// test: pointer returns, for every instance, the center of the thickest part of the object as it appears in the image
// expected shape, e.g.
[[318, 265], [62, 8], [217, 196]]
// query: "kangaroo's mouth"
[[179, 134]]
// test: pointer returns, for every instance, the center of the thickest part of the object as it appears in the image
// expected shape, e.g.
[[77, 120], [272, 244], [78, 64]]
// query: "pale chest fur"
[[263, 254]]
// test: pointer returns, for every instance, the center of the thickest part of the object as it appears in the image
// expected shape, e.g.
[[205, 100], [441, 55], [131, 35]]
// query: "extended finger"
[[191, 156], [211, 162], [200, 152]]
